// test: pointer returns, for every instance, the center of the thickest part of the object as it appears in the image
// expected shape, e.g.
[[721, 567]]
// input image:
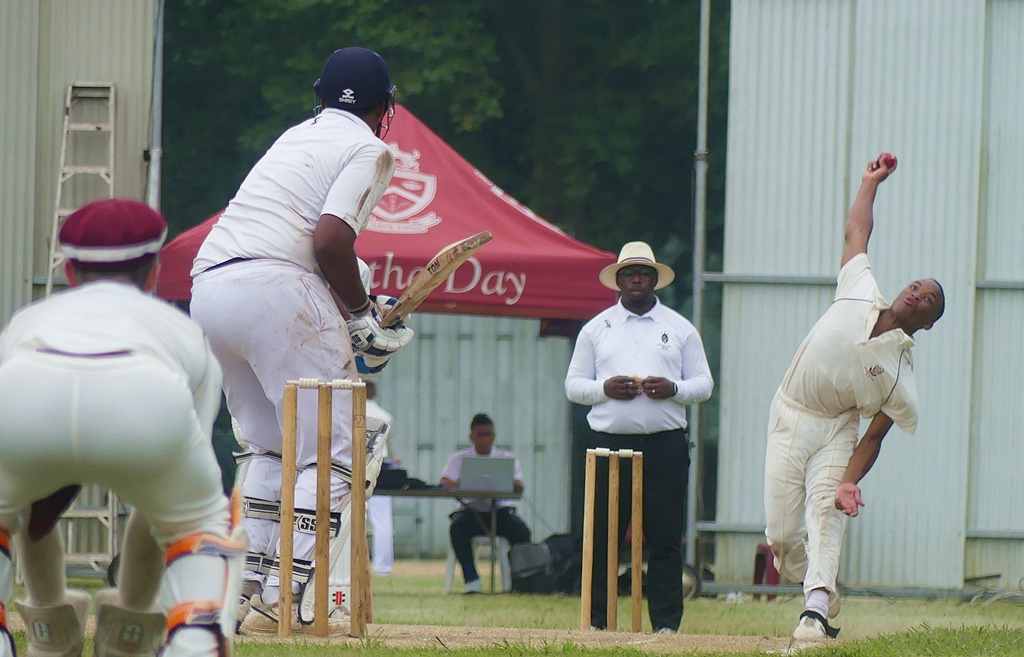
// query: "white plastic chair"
[[502, 546]]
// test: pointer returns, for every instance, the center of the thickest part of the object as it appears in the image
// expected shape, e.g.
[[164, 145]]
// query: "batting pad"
[[377, 433]]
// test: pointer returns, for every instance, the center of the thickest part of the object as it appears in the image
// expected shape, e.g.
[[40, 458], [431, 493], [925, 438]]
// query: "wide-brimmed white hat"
[[636, 253]]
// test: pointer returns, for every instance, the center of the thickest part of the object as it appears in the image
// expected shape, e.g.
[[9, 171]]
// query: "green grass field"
[[412, 603]]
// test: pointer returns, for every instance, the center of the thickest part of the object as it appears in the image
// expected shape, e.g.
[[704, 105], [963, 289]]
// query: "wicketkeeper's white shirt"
[[840, 367], [279, 203], [108, 316]]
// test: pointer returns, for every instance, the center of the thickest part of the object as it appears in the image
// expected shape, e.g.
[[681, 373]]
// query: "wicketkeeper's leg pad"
[[202, 585], [6, 640], [56, 630], [6, 591], [124, 632]]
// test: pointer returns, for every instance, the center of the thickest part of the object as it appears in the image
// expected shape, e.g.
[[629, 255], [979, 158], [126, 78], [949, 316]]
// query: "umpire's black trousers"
[[666, 473]]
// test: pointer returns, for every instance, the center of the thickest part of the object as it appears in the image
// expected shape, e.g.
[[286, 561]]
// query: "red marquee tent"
[[529, 269]]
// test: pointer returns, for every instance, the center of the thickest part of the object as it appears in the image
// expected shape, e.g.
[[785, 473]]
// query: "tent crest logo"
[[402, 209]]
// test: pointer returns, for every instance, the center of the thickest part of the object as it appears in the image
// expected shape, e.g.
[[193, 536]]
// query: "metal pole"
[[156, 151], [700, 162]]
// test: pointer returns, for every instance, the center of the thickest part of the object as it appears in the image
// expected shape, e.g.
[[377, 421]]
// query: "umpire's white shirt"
[[617, 342], [276, 209], [840, 367]]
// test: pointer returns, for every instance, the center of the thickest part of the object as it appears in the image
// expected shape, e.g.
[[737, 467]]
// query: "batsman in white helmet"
[[276, 287], [104, 384]]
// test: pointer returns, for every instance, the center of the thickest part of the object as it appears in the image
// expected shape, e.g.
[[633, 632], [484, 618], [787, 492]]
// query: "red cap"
[[112, 231]]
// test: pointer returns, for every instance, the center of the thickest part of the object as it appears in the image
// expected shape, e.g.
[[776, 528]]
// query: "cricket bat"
[[434, 273]]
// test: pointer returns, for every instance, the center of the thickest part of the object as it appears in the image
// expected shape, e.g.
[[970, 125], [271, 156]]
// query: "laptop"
[[488, 473]]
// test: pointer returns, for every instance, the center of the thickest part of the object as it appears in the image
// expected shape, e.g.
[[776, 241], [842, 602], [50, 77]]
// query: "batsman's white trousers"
[[263, 481], [269, 322], [805, 462]]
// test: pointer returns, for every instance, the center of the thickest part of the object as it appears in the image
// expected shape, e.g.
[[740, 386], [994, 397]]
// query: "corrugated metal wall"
[[459, 366], [816, 90], [995, 524], [46, 46], [92, 41], [18, 50]]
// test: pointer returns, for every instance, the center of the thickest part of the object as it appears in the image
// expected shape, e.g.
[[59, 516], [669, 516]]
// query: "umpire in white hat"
[[638, 364]]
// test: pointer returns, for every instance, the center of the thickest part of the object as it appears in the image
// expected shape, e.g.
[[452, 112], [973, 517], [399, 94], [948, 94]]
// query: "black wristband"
[[361, 310], [675, 389]]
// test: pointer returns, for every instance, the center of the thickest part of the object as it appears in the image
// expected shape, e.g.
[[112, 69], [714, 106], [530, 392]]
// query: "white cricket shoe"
[[262, 617], [56, 630], [249, 589], [262, 620], [812, 627]]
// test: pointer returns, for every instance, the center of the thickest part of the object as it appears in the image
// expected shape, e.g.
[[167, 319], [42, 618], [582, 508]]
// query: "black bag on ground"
[[567, 567], [392, 479], [531, 568]]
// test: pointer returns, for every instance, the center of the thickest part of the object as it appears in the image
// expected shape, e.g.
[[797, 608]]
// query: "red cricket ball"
[[888, 160]]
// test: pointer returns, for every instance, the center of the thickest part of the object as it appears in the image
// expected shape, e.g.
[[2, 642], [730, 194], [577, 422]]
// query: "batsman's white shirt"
[[299, 179], [272, 317], [105, 384], [617, 342]]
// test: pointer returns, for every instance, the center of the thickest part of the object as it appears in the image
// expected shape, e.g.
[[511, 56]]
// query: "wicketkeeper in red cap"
[[105, 384]]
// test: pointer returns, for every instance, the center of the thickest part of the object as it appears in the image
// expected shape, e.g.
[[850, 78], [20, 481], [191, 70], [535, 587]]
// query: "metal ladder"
[[91, 528], [90, 525], [86, 159]]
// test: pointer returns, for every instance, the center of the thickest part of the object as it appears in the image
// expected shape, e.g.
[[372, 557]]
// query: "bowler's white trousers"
[[805, 462]]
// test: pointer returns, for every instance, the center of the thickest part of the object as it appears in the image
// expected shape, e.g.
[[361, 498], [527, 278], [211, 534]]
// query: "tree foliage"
[[584, 110]]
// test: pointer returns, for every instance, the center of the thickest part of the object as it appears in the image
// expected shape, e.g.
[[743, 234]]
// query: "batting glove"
[[370, 366], [369, 338]]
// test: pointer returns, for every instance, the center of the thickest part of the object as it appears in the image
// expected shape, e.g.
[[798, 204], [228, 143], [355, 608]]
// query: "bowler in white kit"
[[854, 363]]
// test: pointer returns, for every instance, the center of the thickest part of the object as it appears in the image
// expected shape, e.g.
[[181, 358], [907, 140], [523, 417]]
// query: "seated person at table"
[[473, 518]]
